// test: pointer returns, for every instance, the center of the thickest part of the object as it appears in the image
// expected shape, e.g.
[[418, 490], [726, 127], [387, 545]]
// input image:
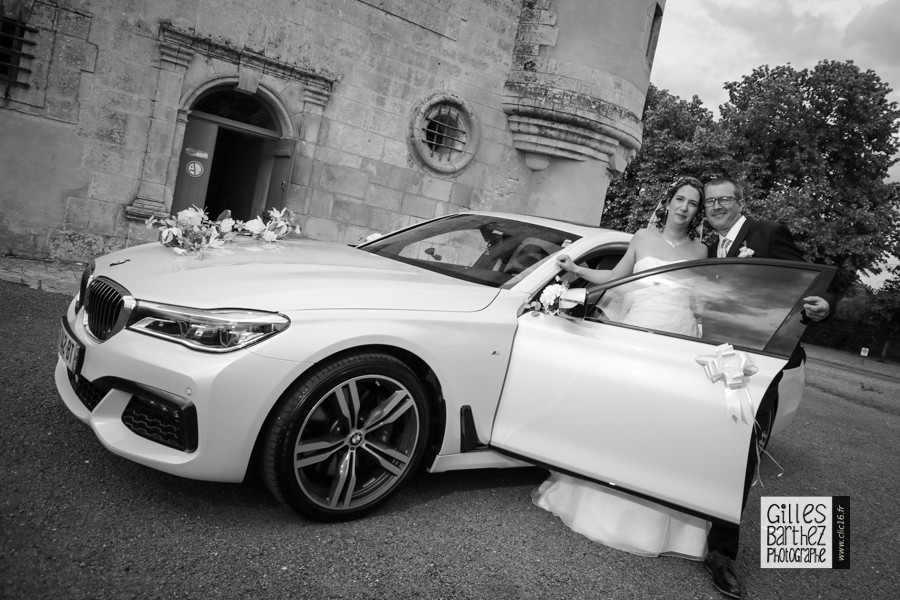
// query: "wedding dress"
[[621, 521], [669, 311], [613, 517]]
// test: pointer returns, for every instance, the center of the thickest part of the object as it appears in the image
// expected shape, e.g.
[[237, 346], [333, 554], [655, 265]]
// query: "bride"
[[675, 238], [606, 515]]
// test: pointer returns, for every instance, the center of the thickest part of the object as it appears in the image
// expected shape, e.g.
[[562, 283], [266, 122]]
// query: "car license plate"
[[70, 349]]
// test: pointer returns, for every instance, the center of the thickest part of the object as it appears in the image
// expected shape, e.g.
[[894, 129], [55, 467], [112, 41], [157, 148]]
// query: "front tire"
[[347, 437]]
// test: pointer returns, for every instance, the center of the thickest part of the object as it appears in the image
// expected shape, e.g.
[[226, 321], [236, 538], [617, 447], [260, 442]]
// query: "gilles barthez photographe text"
[[804, 532]]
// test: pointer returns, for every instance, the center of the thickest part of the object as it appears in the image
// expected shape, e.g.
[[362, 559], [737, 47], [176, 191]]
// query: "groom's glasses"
[[724, 201]]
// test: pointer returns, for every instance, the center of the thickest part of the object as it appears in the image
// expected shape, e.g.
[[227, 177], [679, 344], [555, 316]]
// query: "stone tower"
[[574, 98]]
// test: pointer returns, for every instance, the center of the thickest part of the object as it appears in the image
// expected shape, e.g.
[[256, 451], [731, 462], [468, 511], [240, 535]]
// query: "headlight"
[[220, 330]]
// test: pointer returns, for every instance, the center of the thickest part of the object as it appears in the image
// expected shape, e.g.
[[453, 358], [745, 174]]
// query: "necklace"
[[673, 244]]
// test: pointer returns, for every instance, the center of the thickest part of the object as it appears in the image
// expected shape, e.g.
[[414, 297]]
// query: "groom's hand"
[[816, 308]]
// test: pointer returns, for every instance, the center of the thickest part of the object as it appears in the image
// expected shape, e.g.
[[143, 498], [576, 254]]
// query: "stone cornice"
[[560, 109], [570, 109], [179, 56], [553, 138], [176, 41], [142, 209]]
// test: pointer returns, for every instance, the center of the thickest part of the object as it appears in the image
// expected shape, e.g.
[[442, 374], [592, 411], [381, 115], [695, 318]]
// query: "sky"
[[705, 43]]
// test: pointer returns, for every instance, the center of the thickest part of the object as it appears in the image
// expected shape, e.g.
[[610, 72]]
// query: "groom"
[[739, 237]]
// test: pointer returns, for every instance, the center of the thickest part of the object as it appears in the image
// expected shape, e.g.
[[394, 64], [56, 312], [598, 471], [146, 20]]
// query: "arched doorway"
[[233, 156]]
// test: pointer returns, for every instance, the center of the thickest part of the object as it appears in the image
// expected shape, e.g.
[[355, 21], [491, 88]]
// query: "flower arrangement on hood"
[[191, 229], [280, 223]]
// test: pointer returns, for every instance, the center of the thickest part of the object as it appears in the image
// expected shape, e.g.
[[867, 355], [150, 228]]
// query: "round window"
[[444, 133]]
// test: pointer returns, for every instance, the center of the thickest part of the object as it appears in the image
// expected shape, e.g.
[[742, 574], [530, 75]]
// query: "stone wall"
[[91, 147], [45, 161]]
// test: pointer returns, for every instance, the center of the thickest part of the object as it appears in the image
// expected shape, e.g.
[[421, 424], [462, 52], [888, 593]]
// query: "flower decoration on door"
[[548, 302]]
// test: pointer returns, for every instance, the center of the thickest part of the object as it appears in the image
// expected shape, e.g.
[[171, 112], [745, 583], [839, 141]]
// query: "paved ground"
[[79, 522]]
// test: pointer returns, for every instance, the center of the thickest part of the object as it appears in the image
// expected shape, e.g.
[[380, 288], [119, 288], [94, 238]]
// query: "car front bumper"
[[188, 413]]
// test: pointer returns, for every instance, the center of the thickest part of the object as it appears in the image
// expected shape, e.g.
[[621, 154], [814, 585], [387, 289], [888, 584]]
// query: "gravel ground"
[[79, 522]]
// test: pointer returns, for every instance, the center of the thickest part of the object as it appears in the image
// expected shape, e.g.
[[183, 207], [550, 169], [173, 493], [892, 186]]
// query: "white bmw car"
[[335, 371]]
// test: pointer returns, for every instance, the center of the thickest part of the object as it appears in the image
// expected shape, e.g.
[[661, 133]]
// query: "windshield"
[[482, 249]]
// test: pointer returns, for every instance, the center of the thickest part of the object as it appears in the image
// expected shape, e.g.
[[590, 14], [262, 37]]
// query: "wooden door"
[[195, 164]]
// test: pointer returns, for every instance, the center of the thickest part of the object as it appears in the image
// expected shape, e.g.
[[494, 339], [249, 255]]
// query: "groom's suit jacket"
[[767, 239]]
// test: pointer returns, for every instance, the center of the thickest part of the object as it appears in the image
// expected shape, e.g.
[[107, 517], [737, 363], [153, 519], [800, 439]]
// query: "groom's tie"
[[724, 245]]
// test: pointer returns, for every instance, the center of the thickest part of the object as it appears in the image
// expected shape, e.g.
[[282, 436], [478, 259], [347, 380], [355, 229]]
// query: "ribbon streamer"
[[734, 369]]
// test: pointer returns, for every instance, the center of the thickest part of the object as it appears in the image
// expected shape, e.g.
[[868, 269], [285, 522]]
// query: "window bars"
[[13, 51], [445, 133]]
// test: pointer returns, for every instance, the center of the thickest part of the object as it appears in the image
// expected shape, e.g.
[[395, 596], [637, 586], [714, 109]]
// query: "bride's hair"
[[662, 210]]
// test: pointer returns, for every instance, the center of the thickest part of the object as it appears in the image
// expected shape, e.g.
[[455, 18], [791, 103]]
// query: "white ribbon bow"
[[734, 368]]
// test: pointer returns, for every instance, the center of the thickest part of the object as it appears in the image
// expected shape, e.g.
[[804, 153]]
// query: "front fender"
[[468, 352]]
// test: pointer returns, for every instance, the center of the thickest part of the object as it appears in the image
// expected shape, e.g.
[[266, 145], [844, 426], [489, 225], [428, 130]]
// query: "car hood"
[[286, 275]]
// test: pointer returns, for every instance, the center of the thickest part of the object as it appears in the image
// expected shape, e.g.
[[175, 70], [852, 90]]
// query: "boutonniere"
[[745, 252]]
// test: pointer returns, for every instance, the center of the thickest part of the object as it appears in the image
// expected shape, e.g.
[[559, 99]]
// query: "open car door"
[[647, 408]]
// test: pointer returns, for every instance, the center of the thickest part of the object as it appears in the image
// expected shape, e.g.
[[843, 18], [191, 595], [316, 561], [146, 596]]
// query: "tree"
[[886, 308], [681, 139], [833, 123], [856, 305], [817, 145], [836, 227]]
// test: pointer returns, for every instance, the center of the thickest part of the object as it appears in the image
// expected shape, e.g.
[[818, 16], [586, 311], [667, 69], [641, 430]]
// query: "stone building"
[[360, 116]]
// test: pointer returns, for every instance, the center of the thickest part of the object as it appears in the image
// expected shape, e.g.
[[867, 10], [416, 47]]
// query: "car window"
[[461, 248], [605, 258], [752, 305], [480, 248]]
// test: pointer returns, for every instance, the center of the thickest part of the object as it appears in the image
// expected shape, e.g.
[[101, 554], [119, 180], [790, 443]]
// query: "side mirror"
[[571, 303]]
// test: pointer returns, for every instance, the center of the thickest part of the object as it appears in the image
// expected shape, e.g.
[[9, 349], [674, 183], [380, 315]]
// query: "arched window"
[[236, 106]]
